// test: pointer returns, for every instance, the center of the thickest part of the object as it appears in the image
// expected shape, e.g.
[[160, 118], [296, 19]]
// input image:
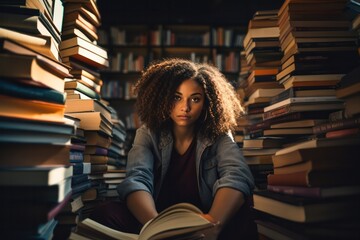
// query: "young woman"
[[184, 152]]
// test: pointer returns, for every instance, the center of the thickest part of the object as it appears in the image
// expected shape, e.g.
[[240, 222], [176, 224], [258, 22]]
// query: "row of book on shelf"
[[176, 35], [299, 85], [130, 62], [63, 146]]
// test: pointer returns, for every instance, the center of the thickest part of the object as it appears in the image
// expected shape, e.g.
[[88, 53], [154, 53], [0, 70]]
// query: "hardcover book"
[[315, 178], [330, 153], [316, 192], [305, 210]]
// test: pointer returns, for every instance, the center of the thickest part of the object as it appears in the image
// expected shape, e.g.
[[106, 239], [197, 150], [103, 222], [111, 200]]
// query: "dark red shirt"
[[180, 183]]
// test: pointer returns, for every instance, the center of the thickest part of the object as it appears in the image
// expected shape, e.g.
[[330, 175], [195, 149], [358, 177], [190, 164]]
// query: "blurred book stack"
[[262, 54], [35, 172], [314, 184]]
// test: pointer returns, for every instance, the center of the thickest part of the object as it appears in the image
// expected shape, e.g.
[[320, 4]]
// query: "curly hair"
[[156, 89]]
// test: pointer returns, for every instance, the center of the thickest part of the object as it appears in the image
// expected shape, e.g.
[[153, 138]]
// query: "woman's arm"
[[226, 203], [142, 206]]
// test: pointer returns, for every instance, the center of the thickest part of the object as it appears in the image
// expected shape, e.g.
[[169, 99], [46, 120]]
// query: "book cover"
[[303, 107], [298, 100], [318, 164], [319, 142], [98, 138], [74, 86], [77, 41], [34, 175], [39, 194], [86, 56], [18, 44], [336, 125], [93, 121], [315, 178], [19, 89], [305, 210], [87, 105], [347, 132], [316, 192], [331, 153], [30, 69], [31, 109]]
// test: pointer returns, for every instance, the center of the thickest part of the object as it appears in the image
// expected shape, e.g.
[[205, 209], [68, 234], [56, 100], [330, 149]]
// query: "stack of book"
[[35, 174], [315, 187], [90, 148], [262, 53], [40, 18], [315, 43], [314, 190]]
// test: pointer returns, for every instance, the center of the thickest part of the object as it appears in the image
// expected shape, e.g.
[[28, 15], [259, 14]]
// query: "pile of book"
[[35, 173], [96, 147], [262, 54], [314, 190]]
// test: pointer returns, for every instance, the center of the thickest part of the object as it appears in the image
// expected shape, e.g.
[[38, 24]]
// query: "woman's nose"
[[185, 106]]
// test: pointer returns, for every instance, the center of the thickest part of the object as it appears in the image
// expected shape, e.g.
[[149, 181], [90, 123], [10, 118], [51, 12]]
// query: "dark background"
[[216, 12]]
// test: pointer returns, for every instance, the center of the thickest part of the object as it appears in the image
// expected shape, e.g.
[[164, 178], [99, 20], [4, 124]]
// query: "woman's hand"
[[213, 232]]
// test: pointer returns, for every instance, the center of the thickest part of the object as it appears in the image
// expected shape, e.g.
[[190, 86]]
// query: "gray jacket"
[[218, 164]]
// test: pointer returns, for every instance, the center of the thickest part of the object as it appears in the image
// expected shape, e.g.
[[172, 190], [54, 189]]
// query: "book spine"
[[343, 133], [77, 179], [277, 112], [29, 92], [267, 123], [295, 179], [78, 168], [101, 151], [76, 156], [336, 125], [255, 134], [296, 191], [288, 93]]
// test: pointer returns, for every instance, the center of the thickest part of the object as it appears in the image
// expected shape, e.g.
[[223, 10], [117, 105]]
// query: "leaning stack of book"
[[35, 174]]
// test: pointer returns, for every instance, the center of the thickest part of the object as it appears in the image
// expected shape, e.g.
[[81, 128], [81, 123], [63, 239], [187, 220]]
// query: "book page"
[[178, 219], [91, 228]]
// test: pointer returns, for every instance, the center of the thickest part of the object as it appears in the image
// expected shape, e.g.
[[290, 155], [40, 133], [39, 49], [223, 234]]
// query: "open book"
[[181, 220]]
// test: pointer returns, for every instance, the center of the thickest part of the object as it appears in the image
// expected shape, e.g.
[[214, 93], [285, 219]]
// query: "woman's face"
[[188, 100]]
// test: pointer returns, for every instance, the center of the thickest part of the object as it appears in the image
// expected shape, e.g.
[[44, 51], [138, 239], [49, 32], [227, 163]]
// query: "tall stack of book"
[[35, 174], [263, 54], [314, 185], [80, 51]]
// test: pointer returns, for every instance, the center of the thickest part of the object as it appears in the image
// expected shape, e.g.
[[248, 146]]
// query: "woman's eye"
[[196, 99], [177, 98]]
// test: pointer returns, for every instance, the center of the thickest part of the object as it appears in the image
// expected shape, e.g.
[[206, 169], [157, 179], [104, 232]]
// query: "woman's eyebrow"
[[197, 93]]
